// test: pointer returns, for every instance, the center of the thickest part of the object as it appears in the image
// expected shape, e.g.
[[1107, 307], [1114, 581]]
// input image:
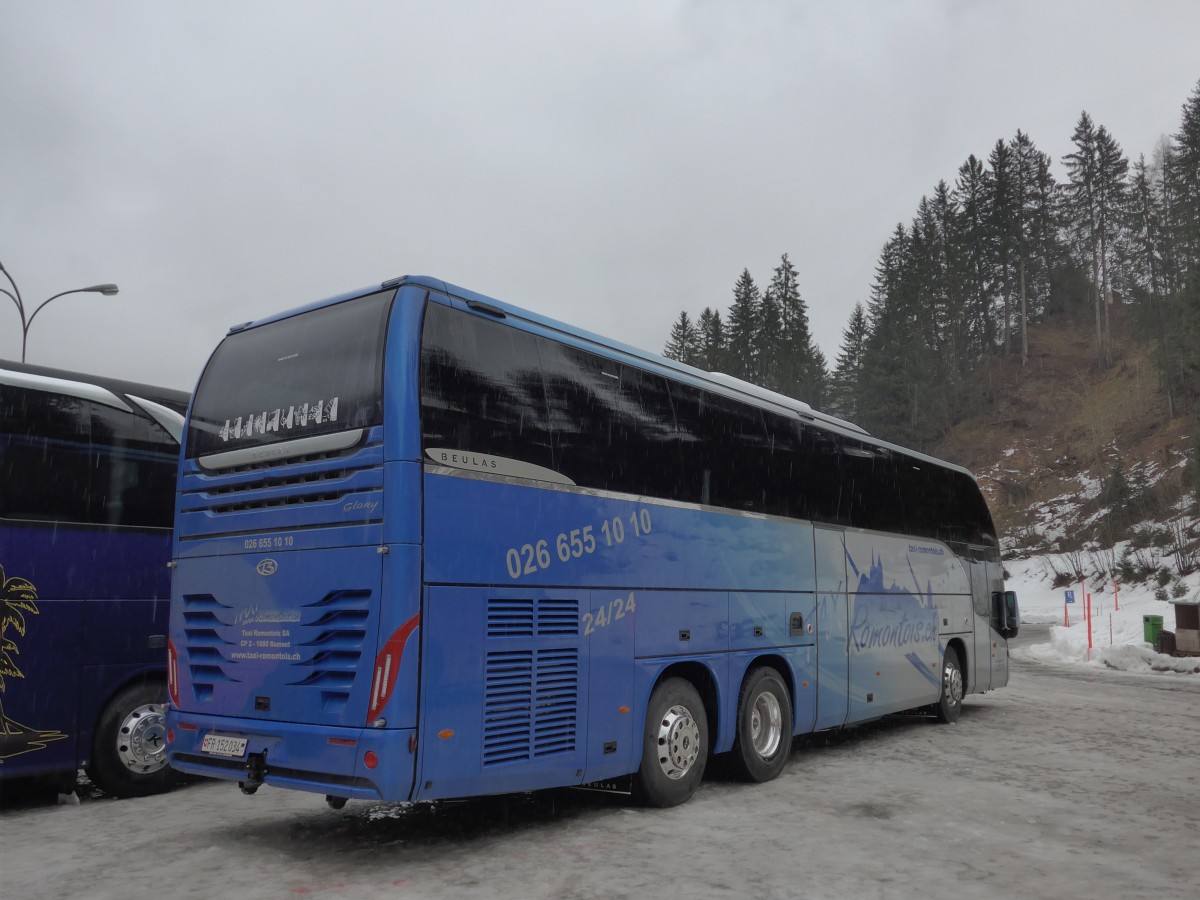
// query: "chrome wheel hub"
[[678, 742], [952, 684], [142, 739], [766, 724]]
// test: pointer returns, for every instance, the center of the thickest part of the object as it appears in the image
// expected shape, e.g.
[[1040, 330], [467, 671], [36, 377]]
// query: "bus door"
[[504, 687], [981, 597], [832, 621]]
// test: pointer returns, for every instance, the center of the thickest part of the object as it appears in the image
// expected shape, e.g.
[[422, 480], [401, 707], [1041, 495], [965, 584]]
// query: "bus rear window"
[[315, 373]]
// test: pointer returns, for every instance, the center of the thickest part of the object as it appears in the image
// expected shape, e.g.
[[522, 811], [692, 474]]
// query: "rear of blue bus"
[[286, 666]]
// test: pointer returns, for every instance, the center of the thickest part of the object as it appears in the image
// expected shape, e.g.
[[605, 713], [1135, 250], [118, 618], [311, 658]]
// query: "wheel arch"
[[963, 662], [93, 705], [705, 683], [782, 668]]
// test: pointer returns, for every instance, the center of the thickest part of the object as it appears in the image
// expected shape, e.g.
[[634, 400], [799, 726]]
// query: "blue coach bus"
[[87, 488], [431, 545]]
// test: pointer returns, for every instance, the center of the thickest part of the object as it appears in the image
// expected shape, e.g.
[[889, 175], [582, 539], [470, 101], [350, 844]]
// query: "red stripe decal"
[[387, 667]]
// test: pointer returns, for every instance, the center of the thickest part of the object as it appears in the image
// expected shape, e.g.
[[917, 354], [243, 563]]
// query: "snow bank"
[[1117, 633]]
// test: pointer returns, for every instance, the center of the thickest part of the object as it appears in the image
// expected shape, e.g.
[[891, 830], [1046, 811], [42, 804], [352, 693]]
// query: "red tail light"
[[387, 667], [173, 673]]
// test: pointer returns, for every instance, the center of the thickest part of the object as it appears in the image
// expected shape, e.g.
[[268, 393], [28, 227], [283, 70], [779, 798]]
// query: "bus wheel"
[[950, 704], [129, 752], [764, 731], [674, 747]]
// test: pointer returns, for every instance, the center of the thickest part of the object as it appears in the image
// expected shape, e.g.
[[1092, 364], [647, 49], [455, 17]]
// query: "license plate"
[[223, 745]]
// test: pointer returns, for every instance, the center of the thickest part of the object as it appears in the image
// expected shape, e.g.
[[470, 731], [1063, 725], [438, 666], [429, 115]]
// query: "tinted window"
[[612, 424], [482, 388], [313, 373], [724, 449], [133, 470], [489, 388], [784, 461], [71, 460]]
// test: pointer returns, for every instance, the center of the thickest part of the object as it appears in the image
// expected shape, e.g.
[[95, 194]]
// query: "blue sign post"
[[1070, 596]]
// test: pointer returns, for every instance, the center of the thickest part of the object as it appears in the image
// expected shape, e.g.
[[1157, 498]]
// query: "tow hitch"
[[256, 773]]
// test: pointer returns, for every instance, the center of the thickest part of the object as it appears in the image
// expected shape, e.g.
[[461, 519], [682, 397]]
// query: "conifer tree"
[[972, 193], [1004, 212], [743, 328], [1096, 195], [801, 366], [847, 372], [1184, 226], [1185, 183], [712, 341], [1146, 264], [684, 343], [769, 344]]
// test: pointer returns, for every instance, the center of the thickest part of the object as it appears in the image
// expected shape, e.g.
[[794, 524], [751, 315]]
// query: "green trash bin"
[[1151, 629]]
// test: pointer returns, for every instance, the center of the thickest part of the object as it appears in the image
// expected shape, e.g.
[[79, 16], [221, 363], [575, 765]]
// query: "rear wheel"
[[674, 745], [764, 733], [129, 751], [950, 704]]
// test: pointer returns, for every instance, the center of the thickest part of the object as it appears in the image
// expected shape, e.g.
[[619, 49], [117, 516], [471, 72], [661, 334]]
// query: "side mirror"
[[1006, 615]]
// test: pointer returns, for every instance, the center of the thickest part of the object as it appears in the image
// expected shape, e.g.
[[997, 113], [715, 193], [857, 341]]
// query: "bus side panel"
[[614, 730], [800, 673], [833, 661], [895, 651], [781, 623], [40, 702], [503, 688], [492, 532], [50, 708]]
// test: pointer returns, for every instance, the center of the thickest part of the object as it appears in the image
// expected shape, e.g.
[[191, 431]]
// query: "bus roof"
[[168, 397], [717, 381]]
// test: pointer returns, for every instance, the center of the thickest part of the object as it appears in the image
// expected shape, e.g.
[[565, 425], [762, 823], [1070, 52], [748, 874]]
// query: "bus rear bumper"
[[356, 763]]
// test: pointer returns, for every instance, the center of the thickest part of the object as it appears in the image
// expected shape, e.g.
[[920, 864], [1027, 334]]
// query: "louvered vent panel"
[[526, 617], [510, 618], [558, 617], [555, 699], [203, 644], [334, 642], [508, 689], [530, 704]]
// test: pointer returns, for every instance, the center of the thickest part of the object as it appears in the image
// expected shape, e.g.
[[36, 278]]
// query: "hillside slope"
[[1081, 464]]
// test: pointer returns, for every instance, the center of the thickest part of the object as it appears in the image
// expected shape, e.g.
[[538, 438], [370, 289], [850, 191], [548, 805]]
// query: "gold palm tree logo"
[[18, 597]]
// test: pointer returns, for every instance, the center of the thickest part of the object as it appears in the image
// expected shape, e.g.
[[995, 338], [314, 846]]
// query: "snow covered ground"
[[1116, 633], [1067, 784]]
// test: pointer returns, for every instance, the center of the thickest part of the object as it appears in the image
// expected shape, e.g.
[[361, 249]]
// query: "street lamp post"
[[26, 320]]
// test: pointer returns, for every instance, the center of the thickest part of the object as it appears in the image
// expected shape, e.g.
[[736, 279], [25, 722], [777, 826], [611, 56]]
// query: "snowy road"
[[1062, 785]]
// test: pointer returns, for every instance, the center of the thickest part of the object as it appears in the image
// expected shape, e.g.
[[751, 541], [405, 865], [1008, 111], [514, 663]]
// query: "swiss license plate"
[[223, 745]]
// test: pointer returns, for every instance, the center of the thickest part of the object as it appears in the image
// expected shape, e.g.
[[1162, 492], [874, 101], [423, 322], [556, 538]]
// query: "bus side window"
[[722, 446], [481, 388], [133, 470], [45, 466], [612, 424]]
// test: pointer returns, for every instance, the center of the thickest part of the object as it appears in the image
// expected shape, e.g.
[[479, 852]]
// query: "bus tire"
[[129, 753], [764, 726], [674, 745], [949, 704]]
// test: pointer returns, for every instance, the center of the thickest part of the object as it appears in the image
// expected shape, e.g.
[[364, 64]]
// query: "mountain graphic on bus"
[[902, 626], [18, 597]]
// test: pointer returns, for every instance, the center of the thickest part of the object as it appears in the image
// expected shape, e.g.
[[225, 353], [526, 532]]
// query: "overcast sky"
[[608, 164]]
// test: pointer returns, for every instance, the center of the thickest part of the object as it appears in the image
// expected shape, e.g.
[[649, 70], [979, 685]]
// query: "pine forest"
[[1001, 246]]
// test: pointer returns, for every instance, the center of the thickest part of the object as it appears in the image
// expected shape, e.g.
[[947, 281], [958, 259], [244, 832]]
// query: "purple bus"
[[87, 488]]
